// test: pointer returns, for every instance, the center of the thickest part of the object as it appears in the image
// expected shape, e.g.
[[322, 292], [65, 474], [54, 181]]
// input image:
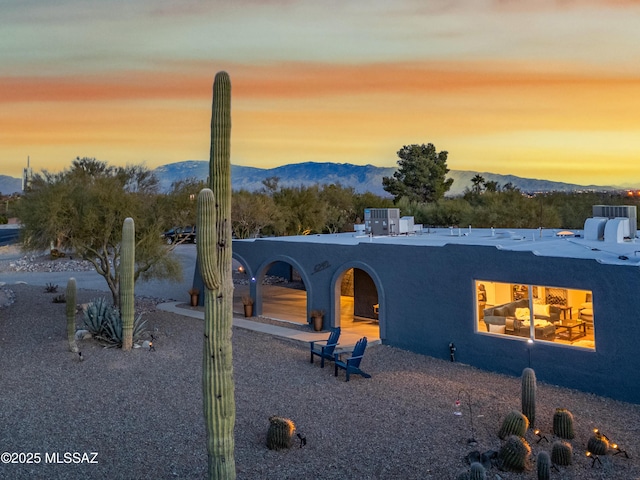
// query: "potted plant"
[[247, 301], [316, 319], [194, 293]]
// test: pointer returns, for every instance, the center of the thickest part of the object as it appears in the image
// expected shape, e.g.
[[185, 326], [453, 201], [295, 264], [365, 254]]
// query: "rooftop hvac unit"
[[406, 225], [619, 211], [594, 228], [616, 229], [382, 221]]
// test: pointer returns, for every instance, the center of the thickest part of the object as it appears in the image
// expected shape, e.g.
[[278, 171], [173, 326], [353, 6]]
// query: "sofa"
[[515, 318]]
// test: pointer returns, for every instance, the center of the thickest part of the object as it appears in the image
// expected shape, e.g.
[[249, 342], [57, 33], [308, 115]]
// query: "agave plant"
[[112, 333], [95, 316]]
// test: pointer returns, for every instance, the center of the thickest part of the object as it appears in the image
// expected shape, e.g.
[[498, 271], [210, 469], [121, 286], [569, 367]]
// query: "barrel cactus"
[[71, 296], [561, 453], [563, 424], [543, 466], [280, 433], [477, 472], [515, 453], [515, 423], [127, 272], [529, 395], [214, 261], [598, 444]]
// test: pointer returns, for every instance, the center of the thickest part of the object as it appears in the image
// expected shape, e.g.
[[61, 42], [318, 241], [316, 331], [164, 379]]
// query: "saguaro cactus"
[[214, 258], [529, 395], [127, 269], [71, 296]]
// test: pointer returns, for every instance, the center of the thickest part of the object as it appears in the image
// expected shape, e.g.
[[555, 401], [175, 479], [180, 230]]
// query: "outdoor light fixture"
[[598, 433], [472, 440], [452, 351], [540, 436], [595, 458], [615, 446]]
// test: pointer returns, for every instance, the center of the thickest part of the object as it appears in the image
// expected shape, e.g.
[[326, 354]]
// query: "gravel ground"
[[141, 411]]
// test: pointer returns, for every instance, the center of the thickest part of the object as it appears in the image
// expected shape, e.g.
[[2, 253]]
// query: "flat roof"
[[542, 242]]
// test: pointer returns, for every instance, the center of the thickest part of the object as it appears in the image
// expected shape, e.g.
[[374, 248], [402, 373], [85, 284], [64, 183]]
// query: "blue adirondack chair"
[[324, 348], [352, 364]]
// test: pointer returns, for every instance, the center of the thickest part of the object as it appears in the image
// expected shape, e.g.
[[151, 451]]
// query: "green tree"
[[82, 209], [251, 213], [302, 210], [477, 184], [340, 206], [421, 174]]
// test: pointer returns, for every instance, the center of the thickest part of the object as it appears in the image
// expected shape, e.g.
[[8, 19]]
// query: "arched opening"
[[358, 303], [277, 290], [281, 292]]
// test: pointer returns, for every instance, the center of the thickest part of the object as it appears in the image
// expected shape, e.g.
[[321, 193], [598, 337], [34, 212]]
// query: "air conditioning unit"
[[619, 211], [382, 221]]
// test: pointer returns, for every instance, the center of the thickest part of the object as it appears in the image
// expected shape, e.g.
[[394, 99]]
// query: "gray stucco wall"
[[427, 296]]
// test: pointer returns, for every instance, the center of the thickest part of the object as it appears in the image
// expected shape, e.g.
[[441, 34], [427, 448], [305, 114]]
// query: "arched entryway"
[[357, 301], [281, 292]]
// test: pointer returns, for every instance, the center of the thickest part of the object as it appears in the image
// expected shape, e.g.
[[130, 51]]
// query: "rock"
[[146, 344], [83, 334]]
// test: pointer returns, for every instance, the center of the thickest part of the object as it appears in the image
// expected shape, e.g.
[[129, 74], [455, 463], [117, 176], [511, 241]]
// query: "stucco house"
[[565, 303]]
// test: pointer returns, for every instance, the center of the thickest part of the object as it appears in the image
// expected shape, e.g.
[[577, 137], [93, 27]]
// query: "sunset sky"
[[540, 89]]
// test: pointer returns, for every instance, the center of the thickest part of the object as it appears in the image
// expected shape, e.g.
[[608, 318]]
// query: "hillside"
[[362, 178], [9, 185]]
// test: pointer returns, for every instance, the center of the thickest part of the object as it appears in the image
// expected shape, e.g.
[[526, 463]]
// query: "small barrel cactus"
[[477, 472], [561, 453], [515, 423], [529, 395], [279, 433], [597, 444], [515, 453], [463, 475], [563, 423], [543, 466], [71, 314]]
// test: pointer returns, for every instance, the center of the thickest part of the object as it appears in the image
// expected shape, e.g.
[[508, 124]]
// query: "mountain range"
[[363, 178]]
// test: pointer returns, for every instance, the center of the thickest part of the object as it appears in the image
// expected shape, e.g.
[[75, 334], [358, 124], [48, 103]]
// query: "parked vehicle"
[[180, 235]]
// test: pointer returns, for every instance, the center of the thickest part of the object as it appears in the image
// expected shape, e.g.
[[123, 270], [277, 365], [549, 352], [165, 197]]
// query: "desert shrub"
[[105, 323]]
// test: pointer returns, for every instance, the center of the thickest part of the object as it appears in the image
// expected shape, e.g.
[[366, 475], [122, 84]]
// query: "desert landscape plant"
[[561, 453], [515, 453], [563, 423], [127, 281], [543, 466], [71, 295], [529, 395], [515, 423], [214, 262], [280, 433]]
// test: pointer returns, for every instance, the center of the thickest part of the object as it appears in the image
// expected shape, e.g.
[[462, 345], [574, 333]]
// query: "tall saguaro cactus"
[[71, 298], [127, 269], [214, 258]]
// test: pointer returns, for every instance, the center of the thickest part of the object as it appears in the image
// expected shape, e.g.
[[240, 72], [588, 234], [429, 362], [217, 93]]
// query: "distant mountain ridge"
[[363, 178], [9, 185]]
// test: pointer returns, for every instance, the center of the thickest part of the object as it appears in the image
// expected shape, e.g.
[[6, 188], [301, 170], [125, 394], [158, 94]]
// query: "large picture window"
[[536, 312]]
